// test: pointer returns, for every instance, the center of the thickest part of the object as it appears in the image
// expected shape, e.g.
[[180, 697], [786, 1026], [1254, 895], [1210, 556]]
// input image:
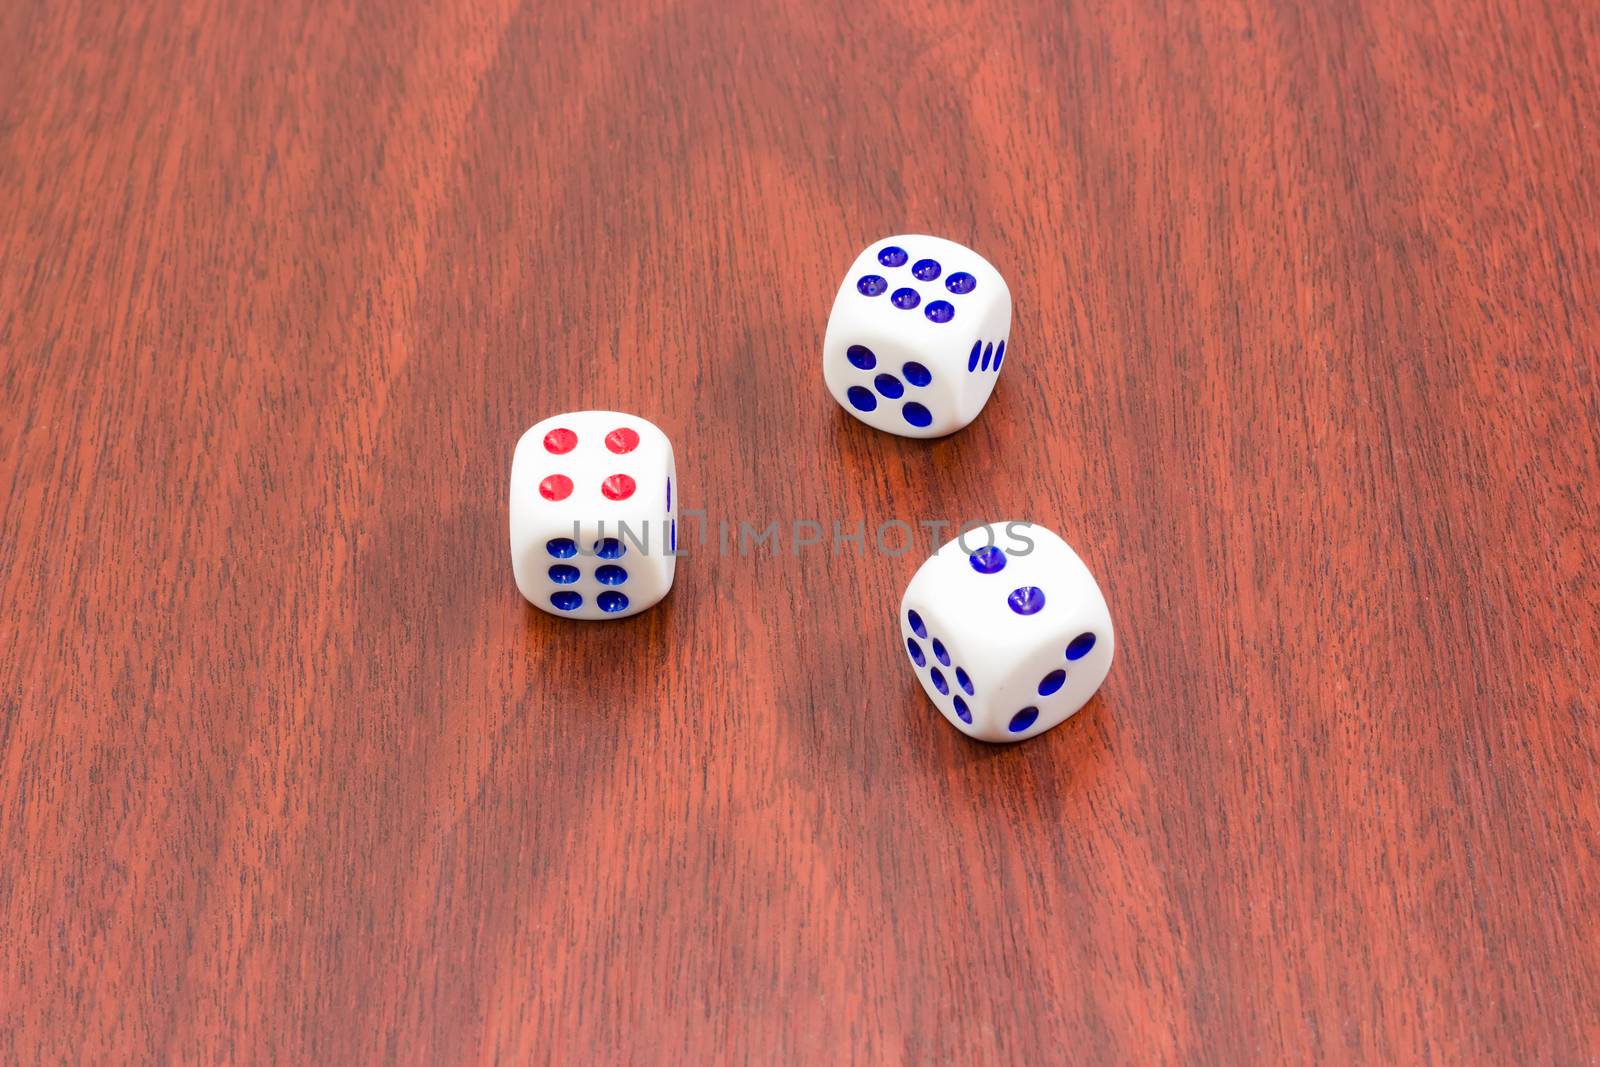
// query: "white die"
[[917, 336], [1007, 640], [594, 530]]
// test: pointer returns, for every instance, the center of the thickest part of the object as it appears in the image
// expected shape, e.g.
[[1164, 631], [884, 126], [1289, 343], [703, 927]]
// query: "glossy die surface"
[[917, 336], [593, 515], [1007, 641]]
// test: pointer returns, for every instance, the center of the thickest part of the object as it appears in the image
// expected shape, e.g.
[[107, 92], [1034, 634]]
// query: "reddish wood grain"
[[1304, 365]]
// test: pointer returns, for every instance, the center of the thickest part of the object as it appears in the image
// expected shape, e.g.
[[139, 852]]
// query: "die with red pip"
[[593, 515]]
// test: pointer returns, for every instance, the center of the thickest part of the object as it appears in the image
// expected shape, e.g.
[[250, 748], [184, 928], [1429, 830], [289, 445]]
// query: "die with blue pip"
[[1007, 631], [917, 336], [593, 520]]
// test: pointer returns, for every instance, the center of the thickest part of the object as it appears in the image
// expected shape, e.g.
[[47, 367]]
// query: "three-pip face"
[[593, 519], [917, 336], [1007, 631]]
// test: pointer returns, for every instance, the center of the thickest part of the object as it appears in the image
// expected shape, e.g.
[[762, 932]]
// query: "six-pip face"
[[593, 519]]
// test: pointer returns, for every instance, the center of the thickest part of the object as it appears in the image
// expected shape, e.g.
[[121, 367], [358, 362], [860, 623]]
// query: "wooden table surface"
[[1306, 366]]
